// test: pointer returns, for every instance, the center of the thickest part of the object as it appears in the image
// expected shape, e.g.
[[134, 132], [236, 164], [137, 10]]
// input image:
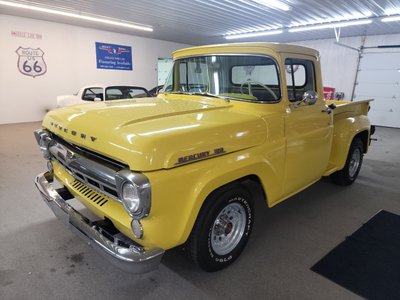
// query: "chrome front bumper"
[[133, 259]]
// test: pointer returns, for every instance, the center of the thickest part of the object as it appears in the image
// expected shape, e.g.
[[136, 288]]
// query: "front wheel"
[[222, 229], [349, 173]]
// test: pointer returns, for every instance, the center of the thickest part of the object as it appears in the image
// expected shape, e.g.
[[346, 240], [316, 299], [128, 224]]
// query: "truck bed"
[[346, 109]]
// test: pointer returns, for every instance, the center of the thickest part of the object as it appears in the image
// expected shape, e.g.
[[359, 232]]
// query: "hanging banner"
[[31, 62], [114, 57]]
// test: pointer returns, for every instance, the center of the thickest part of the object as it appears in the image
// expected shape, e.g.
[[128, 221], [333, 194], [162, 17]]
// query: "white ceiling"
[[199, 22]]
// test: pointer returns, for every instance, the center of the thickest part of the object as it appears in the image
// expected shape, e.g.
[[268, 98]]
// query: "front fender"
[[179, 193]]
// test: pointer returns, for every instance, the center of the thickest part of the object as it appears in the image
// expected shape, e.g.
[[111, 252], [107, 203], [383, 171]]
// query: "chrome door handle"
[[327, 110]]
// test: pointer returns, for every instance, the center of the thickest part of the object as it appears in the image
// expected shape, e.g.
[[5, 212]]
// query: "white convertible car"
[[101, 93]]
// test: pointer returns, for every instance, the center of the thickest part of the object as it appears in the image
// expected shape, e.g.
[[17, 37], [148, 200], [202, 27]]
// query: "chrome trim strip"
[[133, 259], [115, 164]]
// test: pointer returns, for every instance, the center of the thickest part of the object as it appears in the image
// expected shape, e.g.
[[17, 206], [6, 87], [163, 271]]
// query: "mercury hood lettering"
[[82, 135]]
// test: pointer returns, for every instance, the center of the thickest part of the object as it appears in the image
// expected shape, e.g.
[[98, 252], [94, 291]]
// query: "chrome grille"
[[90, 173]]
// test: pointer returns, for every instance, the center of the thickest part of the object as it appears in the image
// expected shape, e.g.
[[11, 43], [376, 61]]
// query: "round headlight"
[[134, 191], [130, 197]]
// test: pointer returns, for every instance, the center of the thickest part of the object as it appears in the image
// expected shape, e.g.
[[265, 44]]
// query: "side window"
[[300, 77], [90, 93], [137, 93], [113, 93]]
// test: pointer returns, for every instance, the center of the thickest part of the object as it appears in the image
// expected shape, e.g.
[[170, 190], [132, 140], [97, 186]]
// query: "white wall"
[[70, 57], [339, 64]]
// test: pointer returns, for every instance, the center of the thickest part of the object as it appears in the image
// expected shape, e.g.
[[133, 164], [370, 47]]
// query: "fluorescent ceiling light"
[[253, 30], [99, 19], [232, 35], [274, 4], [253, 34], [331, 25], [392, 11], [391, 19], [340, 18]]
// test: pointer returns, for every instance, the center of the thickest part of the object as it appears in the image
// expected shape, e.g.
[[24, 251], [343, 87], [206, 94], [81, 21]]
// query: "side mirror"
[[97, 99], [310, 97]]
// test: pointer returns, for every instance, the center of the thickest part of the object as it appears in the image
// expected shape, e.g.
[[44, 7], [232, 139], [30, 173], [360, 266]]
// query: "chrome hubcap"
[[354, 162], [228, 228]]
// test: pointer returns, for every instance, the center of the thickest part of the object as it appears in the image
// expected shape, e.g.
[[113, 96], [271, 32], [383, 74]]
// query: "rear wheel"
[[222, 229], [349, 173]]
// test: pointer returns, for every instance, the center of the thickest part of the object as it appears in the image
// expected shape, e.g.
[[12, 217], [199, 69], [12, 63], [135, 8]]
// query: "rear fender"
[[345, 130]]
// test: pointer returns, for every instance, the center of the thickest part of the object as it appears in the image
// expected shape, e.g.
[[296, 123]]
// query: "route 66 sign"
[[31, 62]]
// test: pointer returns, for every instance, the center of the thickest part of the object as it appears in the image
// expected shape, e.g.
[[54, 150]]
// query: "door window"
[[300, 77]]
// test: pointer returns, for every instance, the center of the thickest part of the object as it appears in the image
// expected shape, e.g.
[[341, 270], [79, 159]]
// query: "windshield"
[[237, 77]]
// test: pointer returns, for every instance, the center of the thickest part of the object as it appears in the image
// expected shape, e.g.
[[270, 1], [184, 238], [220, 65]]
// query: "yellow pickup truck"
[[156, 173]]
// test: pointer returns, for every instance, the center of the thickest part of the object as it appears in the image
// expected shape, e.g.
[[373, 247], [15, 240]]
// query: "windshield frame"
[[277, 65]]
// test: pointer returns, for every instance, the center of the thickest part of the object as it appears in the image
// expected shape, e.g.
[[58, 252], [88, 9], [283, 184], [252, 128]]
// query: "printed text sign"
[[115, 57]]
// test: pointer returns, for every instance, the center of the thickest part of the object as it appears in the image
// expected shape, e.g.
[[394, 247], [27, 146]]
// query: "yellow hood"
[[157, 133]]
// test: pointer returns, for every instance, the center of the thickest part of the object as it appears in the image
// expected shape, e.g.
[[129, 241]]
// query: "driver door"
[[308, 130]]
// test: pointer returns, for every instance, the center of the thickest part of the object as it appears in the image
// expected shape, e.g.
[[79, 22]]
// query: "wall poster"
[[114, 57]]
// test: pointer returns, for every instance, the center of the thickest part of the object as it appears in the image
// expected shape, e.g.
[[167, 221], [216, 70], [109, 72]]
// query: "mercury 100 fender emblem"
[[199, 156], [83, 136]]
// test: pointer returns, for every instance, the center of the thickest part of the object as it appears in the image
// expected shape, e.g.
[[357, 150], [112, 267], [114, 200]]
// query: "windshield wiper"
[[199, 94], [176, 92]]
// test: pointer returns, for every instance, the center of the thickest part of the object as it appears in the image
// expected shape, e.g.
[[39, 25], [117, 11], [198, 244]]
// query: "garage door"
[[379, 78]]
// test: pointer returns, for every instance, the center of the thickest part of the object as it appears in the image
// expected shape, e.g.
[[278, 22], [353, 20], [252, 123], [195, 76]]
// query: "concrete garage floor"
[[41, 259]]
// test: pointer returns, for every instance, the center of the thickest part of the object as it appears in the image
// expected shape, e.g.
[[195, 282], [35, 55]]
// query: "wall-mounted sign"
[[329, 93], [115, 57], [31, 62], [26, 35]]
